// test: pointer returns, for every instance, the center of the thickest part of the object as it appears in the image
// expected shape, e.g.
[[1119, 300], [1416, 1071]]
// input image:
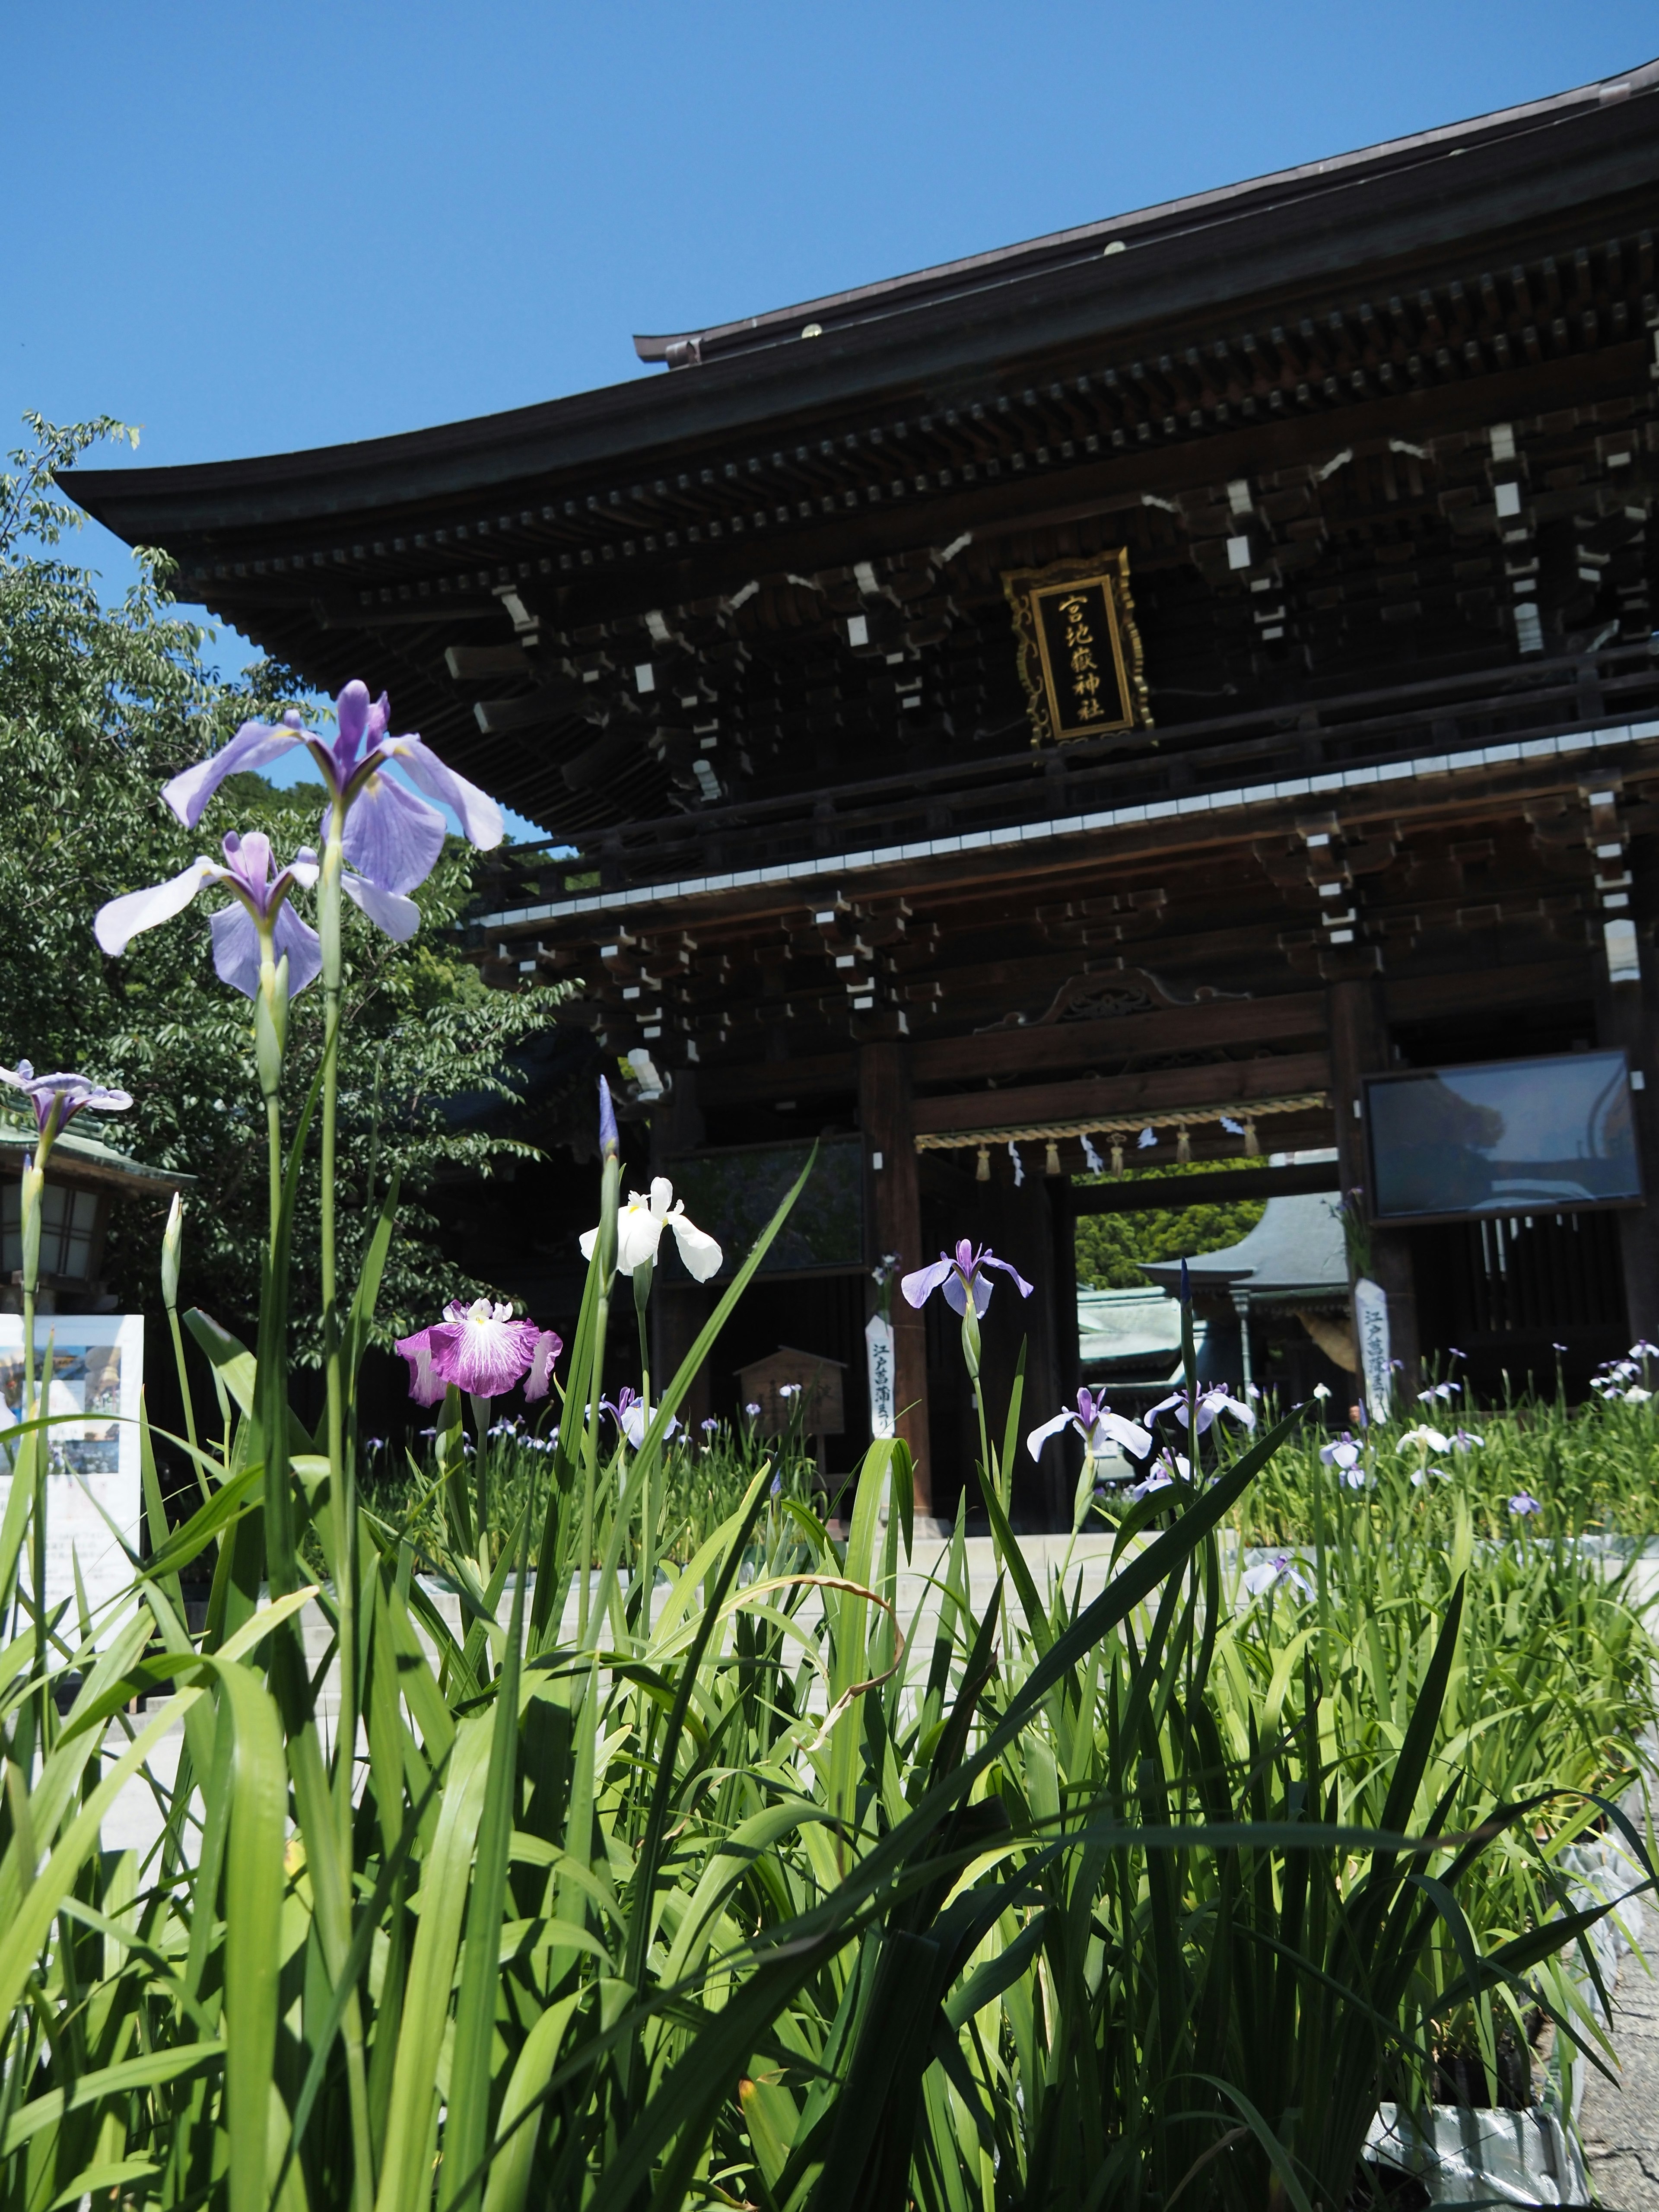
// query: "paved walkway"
[[1620, 2126]]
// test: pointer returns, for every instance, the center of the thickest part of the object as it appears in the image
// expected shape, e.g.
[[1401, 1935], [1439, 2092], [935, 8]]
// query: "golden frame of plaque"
[[1080, 650]]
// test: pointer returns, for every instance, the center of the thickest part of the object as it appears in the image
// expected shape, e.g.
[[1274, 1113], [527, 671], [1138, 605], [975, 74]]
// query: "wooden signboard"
[[765, 1383], [1079, 651]]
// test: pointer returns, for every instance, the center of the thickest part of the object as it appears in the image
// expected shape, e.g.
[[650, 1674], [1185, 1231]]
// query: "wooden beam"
[[1546, 983], [1228, 1083], [1074, 1044], [1138, 1195], [471, 663], [757, 1081]]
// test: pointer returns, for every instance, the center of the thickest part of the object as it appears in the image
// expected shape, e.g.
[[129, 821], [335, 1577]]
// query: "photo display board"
[[734, 1193], [89, 1373], [1511, 1136]]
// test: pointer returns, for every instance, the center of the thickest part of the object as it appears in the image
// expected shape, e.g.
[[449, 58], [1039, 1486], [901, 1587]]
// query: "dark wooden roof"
[[628, 612]]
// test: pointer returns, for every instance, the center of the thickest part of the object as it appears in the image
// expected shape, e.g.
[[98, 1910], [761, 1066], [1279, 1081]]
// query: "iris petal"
[[1038, 1437], [254, 746], [399, 917], [391, 836], [549, 1345], [303, 946], [921, 1285], [426, 1386], [121, 919], [236, 948], [248, 860], [701, 1254], [477, 813], [485, 1356]]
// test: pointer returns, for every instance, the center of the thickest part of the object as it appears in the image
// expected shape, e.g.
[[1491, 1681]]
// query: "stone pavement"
[[1619, 2127]]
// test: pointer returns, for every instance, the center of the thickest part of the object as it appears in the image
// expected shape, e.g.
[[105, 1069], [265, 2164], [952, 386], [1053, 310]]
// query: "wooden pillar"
[[1626, 1015], [678, 1306], [1359, 1046], [894, 1226]]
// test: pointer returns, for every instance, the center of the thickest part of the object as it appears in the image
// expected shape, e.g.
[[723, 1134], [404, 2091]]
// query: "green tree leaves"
[[98, 706]]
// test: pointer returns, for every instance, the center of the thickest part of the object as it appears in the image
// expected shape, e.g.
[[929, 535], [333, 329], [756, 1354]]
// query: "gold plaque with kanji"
[[1079, 651]]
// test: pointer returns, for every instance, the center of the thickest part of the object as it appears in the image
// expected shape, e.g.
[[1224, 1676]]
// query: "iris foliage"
[[507, 1854]]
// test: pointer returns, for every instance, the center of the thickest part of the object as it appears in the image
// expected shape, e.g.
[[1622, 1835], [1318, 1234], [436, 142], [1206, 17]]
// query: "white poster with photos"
[[89, 1371]]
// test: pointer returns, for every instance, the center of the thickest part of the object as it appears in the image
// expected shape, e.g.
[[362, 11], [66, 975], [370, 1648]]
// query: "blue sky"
[[257, 228]]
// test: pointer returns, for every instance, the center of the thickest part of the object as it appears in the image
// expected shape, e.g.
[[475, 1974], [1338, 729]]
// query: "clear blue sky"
[[279, 223]]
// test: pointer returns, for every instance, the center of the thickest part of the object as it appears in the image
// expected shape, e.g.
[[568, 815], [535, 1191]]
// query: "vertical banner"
[[89, 1374], [1370, 1324], [879, 1357]]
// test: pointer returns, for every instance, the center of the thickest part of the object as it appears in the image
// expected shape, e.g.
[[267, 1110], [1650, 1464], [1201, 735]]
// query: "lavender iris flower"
[[1344, 1453], [1164, 1469], [259, 912], [1099, 1427], [1267, 1575], [57, 1099], [392, 838], [1524, 1502], [962, 1277], [1213, 1402], [632, 1416]]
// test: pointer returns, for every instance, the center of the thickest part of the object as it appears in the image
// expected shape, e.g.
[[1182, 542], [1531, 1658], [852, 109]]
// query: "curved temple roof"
[[1229, 204], [703, 599]]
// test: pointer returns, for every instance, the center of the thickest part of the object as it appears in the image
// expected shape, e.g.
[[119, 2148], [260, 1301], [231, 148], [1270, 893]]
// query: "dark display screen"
[[1509, 1136], [733, 1194]]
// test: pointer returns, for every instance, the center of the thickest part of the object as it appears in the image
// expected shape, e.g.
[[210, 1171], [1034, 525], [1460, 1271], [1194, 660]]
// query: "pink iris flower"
[[481, 1349]]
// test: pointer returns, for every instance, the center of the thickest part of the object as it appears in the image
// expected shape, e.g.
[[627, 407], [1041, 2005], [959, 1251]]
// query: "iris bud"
[[270, 1030], [172, 1238], [35, 1184]]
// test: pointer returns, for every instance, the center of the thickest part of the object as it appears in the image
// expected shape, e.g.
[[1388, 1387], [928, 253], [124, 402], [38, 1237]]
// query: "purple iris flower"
[[57, 1099], [1524, 1502], [962, 1277], [392, 838], [259, 908], [549, 1345], [609, 1144], [478, 1348], [1099, 1427]]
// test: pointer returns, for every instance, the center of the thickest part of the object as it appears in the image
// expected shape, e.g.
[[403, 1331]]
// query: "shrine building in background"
[[1179, 691]]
